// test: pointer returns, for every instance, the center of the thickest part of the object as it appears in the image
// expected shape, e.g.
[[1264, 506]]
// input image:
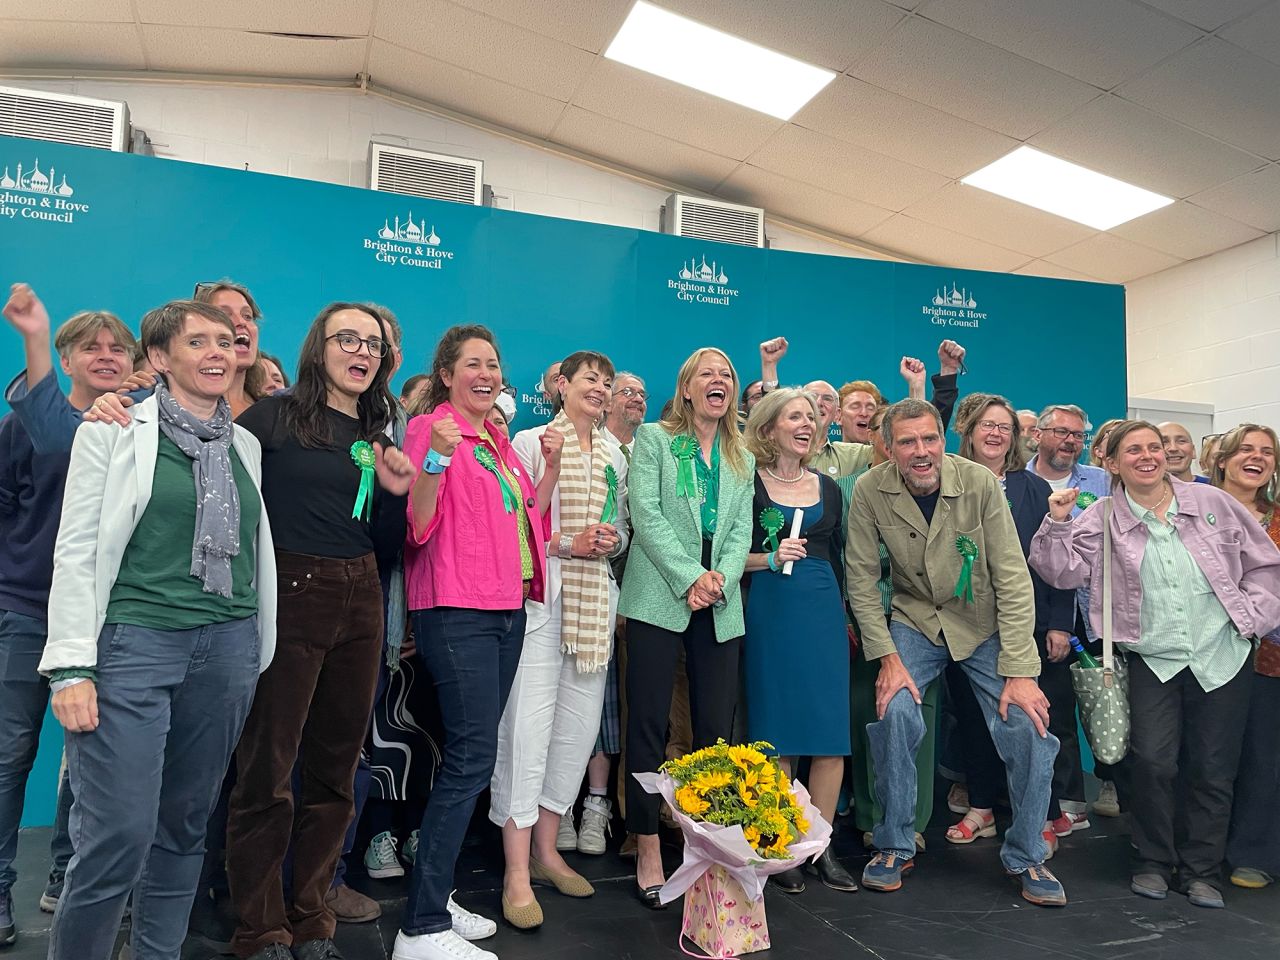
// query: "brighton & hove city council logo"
[[953, 308], [408, 243], [702, 282], [36, 195]]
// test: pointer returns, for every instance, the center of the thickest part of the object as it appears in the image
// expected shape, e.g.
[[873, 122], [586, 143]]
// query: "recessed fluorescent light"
[[679, 49], [1070, 191]]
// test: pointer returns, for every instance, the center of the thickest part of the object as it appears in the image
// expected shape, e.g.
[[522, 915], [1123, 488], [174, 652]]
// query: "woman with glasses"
[[991, 434], [335, 492]]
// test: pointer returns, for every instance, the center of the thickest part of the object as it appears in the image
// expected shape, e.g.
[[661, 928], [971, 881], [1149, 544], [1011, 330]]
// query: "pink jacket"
[[469, 555], [1234, 552]]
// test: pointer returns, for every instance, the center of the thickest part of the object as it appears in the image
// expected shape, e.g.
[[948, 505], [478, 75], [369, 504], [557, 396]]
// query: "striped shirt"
[[1183, 622]]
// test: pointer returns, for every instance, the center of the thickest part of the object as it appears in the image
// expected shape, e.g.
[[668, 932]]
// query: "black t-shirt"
[[310, 492], [927, 504]]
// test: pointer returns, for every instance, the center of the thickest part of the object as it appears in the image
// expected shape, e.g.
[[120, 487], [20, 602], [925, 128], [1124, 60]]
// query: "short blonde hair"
[[680, 419], [764, 417], [1229, 445], [1097, 449]]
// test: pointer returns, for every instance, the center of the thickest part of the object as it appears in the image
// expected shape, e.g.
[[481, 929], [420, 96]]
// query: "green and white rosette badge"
[[1085, 499], [487, 460], [771, 522], [610, 511], [968, 554], [684, 448], [362, 456]]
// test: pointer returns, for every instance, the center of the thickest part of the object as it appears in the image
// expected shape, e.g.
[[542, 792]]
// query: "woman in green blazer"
[[690, 493]]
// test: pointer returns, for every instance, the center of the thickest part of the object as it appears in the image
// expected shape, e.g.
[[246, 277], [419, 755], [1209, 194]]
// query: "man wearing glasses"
[[627, 411]]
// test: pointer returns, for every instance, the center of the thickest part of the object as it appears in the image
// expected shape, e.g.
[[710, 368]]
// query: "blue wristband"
[[435, 463], [773, 561]]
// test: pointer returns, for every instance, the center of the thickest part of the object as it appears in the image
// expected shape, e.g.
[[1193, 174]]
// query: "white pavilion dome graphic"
[[954, 298], [409, 231], [36, 180], [693, 270]]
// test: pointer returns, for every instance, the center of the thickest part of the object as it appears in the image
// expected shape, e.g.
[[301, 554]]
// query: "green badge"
[[487, 460], [610, 512], [684, 448], [1085, 499], [771, 522], [362, 456], [1211, 518], [968, 554]]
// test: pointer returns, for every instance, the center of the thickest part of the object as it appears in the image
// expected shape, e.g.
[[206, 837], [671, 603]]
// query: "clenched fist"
[[445, 436], [552, 446], [1061, 502]]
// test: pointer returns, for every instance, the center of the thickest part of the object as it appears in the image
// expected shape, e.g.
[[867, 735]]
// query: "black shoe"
[[273, 951], [651, 897], [789, 881], [316, 950], [827, 868]]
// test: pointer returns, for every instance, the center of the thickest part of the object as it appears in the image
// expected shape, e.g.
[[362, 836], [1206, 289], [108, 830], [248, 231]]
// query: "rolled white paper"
[[796, 522]]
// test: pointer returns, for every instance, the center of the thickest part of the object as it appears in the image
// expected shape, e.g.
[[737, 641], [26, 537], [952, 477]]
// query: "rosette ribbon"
[[610, 511], [1085, 499], [487, 460], [771, 522], [684, 448], [362, 456], [968, 553]]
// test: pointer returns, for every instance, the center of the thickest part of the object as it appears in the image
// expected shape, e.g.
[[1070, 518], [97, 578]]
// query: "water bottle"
[[1083, 656]]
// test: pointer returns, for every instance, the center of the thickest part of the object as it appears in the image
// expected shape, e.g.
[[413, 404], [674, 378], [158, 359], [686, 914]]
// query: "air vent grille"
[[63, 118], [421, 174], [714, 220]]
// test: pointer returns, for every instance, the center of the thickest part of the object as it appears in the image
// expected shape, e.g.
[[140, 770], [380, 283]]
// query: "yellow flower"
[[780, 841], [745, 757], [802, 824], [753, 836], [711, 781], [773, 823], [690, 802], [746, 796]]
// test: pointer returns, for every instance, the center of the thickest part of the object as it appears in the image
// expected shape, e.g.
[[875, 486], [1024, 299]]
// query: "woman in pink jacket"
[[1194, 581]]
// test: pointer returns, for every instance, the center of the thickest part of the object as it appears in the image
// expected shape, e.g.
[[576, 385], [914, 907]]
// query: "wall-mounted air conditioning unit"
[[713, 220], [420, 173], [64, 118]]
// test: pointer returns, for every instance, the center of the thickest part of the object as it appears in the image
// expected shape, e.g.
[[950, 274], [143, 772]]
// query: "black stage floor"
[[957, 905]]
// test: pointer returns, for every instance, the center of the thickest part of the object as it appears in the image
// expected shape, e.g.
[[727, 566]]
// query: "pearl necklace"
[[796, 479]]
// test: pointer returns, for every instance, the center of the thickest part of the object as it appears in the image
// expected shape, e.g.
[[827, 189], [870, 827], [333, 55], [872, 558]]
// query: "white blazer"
[[528, 447], [108, 489]]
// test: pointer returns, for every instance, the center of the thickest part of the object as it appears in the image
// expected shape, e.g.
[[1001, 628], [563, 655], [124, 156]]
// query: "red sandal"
[[971, 827]]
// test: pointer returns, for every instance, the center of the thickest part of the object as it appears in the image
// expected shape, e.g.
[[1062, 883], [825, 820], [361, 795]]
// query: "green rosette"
[[771, 522], [684, 448], [610, 511], [487, 460], [1009, 502], [968, 554], [1085, 499], [363, 457]]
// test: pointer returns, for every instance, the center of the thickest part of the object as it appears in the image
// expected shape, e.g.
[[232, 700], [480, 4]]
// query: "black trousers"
[[1184, 751], [712, 668], [1255, 835]]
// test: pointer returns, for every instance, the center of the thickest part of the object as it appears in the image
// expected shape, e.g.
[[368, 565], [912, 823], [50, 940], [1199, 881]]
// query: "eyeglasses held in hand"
[[990, 425], [350, 343]]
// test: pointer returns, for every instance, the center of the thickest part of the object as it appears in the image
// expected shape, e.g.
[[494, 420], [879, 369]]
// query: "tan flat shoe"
[[527, 917], [569, 884]]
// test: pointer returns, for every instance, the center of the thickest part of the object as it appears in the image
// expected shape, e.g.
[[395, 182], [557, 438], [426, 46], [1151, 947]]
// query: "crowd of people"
[[243, 595]]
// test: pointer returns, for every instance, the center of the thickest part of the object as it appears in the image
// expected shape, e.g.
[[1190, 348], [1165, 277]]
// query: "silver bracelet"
[[566, 547]]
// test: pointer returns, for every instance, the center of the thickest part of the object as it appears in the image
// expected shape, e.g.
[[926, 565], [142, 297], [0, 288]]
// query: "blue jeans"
[[1027, 756], [472, 656], [171, 704]]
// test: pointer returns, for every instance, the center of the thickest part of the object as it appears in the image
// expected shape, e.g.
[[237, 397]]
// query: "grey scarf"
[[208, 444]]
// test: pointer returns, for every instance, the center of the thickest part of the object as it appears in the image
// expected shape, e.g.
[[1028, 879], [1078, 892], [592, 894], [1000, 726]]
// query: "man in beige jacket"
[[961, 591]]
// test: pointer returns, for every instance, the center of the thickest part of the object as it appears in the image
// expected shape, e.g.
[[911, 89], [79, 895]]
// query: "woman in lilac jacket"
[[1194, 580]]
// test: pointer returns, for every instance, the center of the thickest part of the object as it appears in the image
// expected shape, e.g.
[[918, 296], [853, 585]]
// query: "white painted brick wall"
[[1209, 331], [324, 135]]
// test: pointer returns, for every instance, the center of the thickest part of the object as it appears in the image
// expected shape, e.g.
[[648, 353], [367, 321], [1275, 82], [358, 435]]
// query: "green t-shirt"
[[155, 587]]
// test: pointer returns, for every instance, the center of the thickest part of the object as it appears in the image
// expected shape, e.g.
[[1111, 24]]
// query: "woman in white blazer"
[[548, 729], [161, 615]]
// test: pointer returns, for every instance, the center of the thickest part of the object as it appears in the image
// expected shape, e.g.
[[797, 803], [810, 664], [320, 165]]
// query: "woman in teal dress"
[[797, 648]]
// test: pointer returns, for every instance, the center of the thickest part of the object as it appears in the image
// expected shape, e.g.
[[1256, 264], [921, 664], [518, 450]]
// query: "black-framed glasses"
[[510, 390], [350, 343], [1062, 433], [632, 393], [1005, 429]]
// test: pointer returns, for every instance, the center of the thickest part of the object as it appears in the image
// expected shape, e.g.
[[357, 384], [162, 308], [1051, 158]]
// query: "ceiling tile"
[[481, 44], [1220, 90], [797, 201], [463, 91], [1253, 199], [924, 241], [343, 18], [587, 24], [641, 150], [1099, 41], [1186, 231], [203, 50], [857, 112], [1113, 259], [845, 169], [972, 79], [79, 11], [1006, 223], [828, 33], [1208, 14], [1123, 140], [1258, 33], [54, 44], [1043, 268], [673, 110]]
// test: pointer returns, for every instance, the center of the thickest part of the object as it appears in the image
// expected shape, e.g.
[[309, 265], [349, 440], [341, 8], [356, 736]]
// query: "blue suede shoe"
[[1041, 887], [885, 872]]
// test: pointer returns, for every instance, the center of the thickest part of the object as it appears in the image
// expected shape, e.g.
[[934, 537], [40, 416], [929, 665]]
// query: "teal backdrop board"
[[91, 229]]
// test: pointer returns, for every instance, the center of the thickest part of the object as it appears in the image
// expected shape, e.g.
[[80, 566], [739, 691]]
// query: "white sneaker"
[[380, 860], [1108, 803], [596, 814], [566, 836], [468, 925], [445, 945]]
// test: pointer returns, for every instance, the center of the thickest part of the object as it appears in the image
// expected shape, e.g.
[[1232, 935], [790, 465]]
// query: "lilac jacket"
[[1237, 557]]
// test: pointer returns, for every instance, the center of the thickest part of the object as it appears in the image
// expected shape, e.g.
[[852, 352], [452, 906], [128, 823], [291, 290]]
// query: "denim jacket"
[[1237, 557]]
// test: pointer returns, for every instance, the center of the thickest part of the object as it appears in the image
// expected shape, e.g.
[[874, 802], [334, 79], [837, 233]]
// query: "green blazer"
[[666, 541]]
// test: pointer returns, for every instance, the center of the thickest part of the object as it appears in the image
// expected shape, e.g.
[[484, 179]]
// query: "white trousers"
[[548, 729]]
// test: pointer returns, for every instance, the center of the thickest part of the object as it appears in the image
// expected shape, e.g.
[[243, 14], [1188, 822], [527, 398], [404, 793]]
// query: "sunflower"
[[706, 782], [690, 802]]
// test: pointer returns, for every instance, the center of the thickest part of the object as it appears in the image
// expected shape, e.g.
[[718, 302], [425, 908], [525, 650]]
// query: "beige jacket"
[[926, 565]]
